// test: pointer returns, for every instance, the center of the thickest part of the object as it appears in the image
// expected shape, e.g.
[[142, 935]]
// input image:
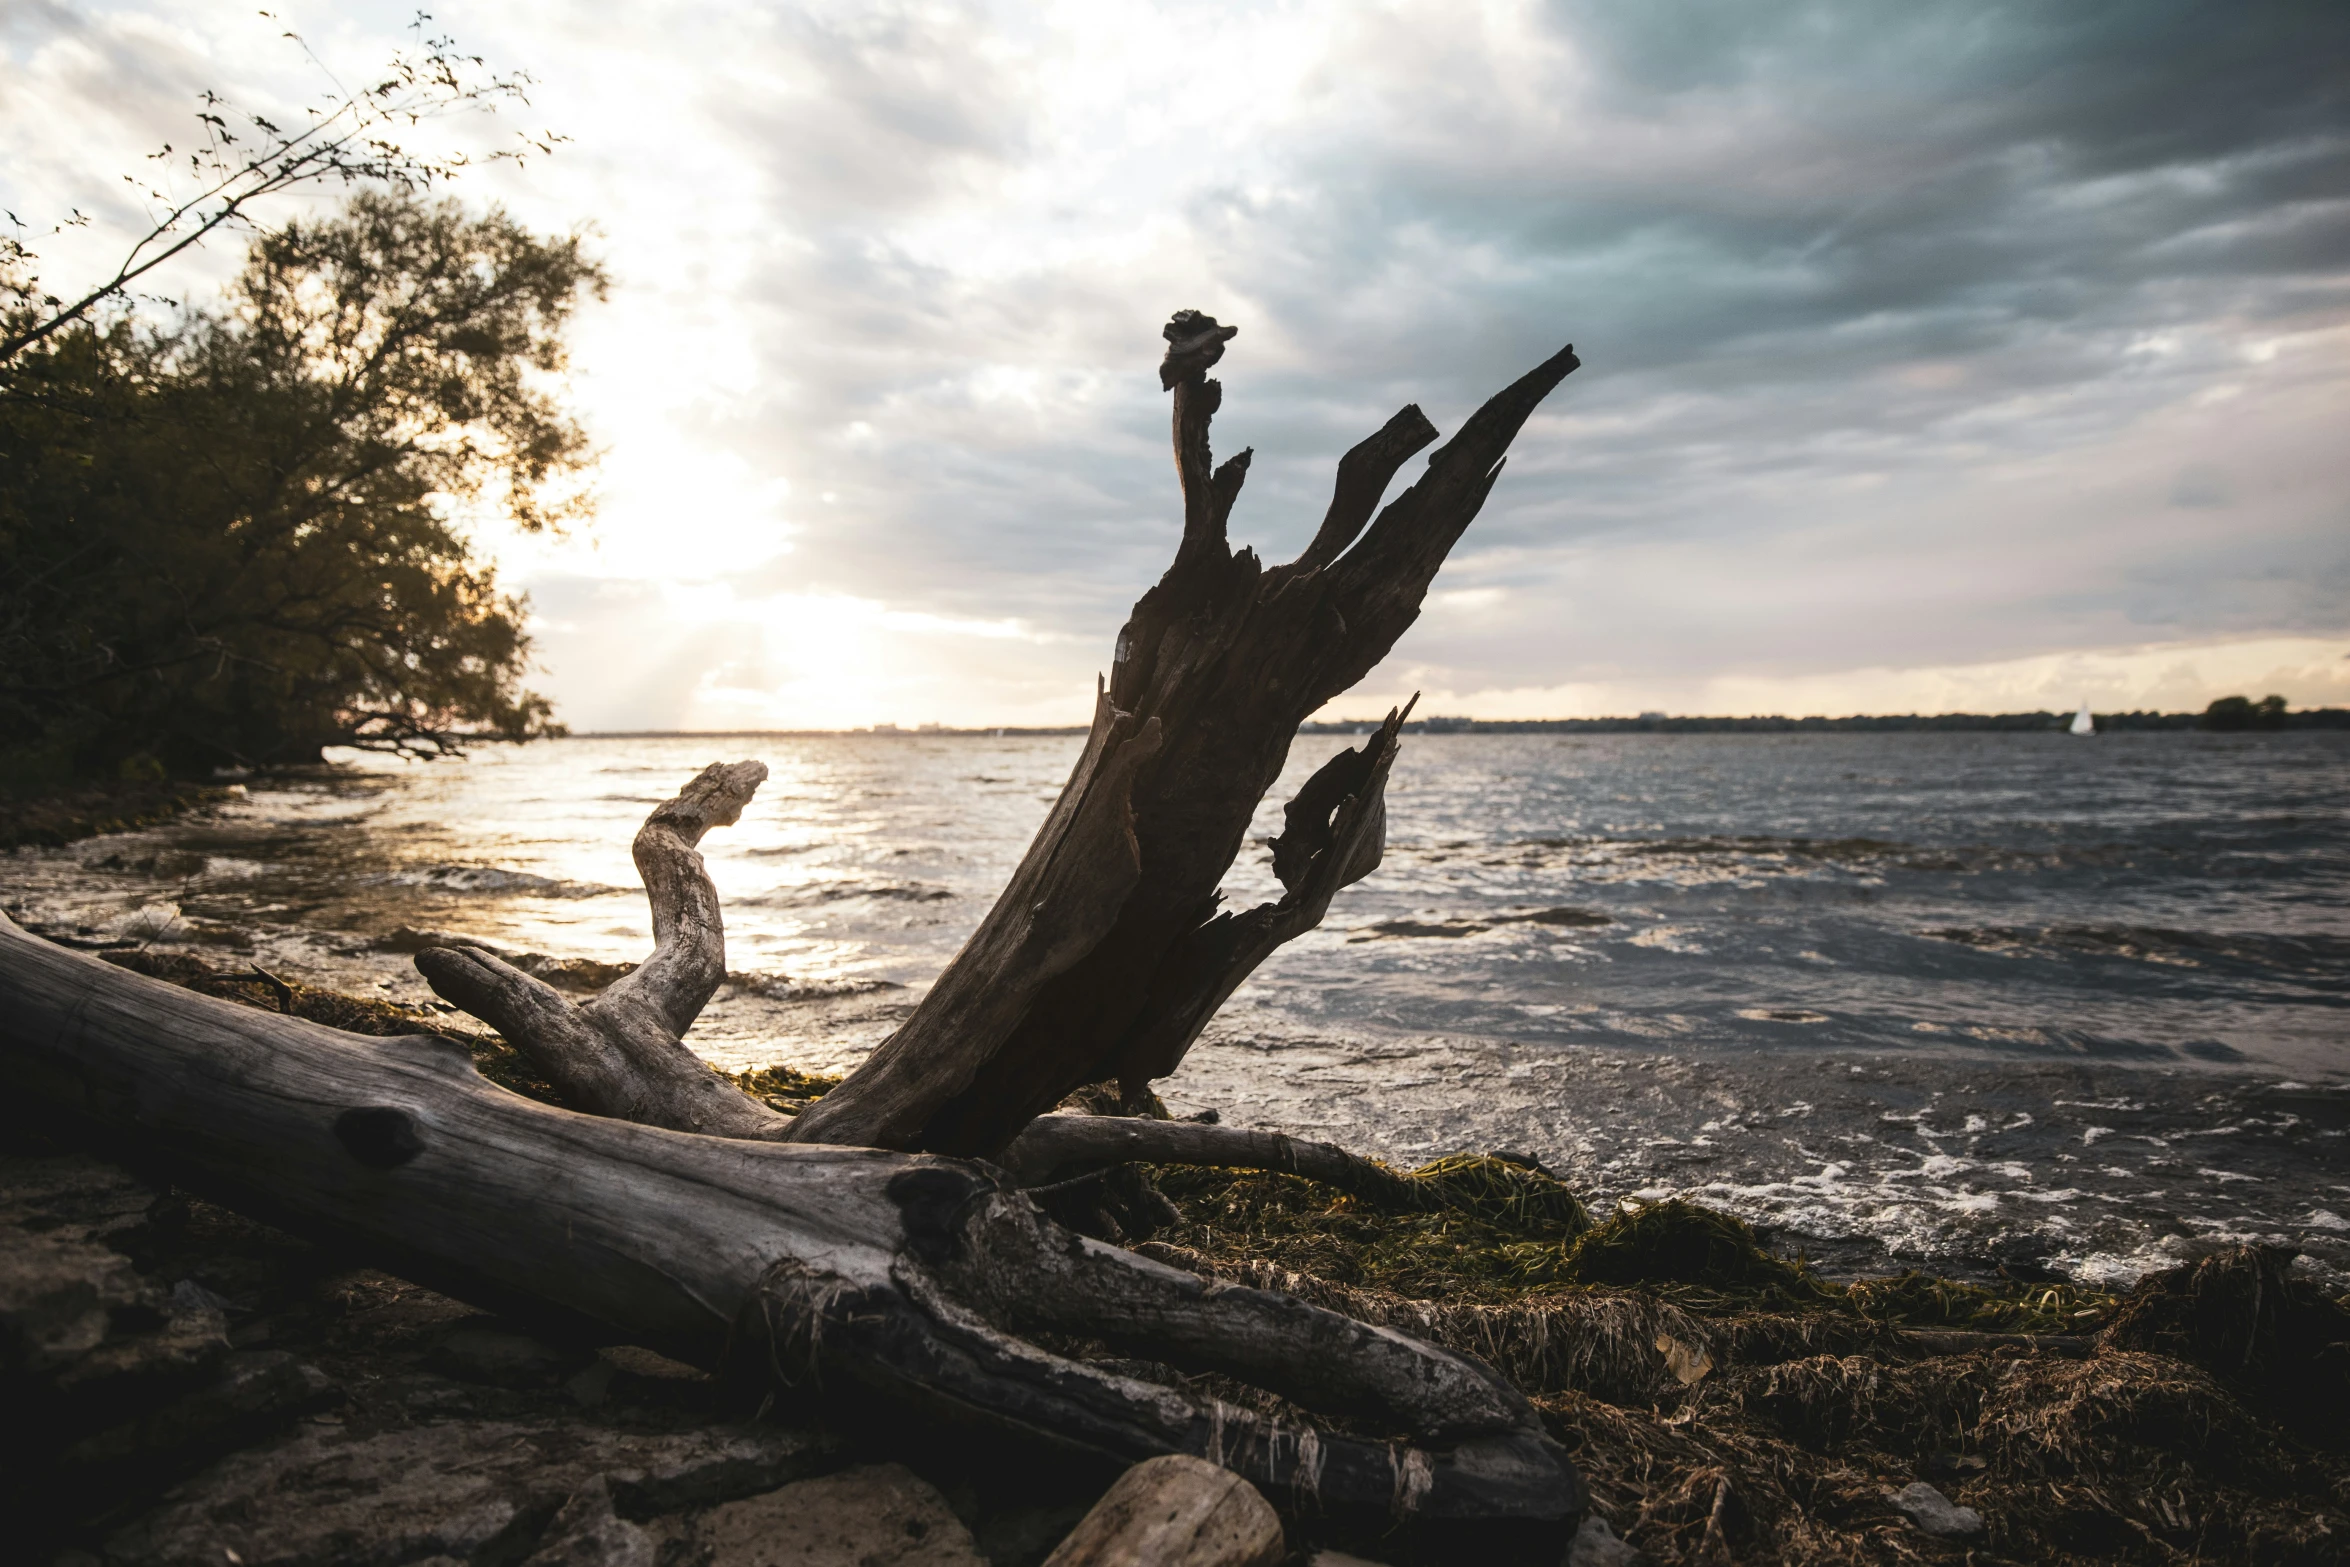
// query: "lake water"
[[1959, 1000]]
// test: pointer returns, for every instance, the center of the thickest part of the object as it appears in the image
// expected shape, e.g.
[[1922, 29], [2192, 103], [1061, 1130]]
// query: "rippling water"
[[1969, 999]]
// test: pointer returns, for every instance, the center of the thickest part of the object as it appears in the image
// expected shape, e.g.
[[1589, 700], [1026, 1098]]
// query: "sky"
[[1939, 356]]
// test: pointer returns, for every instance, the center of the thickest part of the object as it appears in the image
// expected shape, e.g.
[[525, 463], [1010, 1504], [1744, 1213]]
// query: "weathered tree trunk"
[[883, 1279], [1105, 956], [623, 1054], [678, 1213]]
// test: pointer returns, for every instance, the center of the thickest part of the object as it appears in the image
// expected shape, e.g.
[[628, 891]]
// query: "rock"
[[587, 1532], [323, 1496], [77, 1194], [878, 1515], [64, 1288], [1595, 1545], [482, 1349], [58, 1297], [252, 1393], [87, 1342], [1935, 1513], [1175, 1511], [132, 1368]]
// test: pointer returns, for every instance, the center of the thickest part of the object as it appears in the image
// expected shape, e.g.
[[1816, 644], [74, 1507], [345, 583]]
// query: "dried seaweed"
[[2208, 1426], [1810, 1406]]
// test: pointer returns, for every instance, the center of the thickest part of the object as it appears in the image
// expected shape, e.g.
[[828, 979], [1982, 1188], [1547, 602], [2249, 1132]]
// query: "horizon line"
[[1436, 722]]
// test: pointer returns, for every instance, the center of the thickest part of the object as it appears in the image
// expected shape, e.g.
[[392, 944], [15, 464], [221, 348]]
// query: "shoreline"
[[2305, 721], [51, 819], [1717, 1400]]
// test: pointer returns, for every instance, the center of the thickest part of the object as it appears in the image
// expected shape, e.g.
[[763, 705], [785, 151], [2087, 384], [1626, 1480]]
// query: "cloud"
[[1917, 338]]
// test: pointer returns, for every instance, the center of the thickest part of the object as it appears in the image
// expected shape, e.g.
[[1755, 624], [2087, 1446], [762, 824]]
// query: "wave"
[[1571, 918], [2309, 956], [1766, 853], [495, 879], [842, 892], [783, 987]]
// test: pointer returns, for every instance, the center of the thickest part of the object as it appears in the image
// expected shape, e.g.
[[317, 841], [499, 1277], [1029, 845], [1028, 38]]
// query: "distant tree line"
[[2228, 713], [243, 535], [2236, 712]]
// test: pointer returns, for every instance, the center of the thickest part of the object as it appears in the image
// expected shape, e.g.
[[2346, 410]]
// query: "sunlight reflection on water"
[[1703, 963]]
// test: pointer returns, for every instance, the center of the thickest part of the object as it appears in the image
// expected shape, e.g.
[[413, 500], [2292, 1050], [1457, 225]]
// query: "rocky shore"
[[66, 815], [188, 1386]]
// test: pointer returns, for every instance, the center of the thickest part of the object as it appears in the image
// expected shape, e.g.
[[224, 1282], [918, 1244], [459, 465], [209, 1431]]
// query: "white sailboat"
[[2083, 724]]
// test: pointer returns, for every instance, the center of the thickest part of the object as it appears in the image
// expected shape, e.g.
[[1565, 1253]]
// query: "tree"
[[236, 539], [2236, 712], [213, 183]]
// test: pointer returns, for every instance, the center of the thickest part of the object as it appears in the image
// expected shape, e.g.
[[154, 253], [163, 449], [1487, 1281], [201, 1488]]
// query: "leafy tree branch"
[[353, 138]]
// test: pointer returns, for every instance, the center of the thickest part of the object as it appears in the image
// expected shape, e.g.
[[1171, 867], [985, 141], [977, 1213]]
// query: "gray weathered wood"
[[1065, 893], [1336, 834], [1218, 664], [622, 1054], [1175, 1511], [889, 1281]]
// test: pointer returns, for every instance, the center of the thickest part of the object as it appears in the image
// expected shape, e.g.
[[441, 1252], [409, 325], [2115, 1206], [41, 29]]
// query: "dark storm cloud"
[[1752, 220]]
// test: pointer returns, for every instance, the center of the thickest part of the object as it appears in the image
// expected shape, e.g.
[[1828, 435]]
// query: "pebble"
[[1935, 1513]]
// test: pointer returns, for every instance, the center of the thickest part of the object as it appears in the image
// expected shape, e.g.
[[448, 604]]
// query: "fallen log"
[[877, 1282], [622, 1054]]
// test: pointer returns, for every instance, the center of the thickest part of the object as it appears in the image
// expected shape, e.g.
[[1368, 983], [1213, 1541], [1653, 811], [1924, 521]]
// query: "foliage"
[[349, 139], [235, 541], [2235, 712]]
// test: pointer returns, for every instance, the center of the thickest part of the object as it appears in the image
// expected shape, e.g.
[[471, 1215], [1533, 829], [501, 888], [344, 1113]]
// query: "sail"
[[2083, 724]]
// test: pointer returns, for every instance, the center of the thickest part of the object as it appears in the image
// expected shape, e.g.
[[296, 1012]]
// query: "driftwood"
[[855, 1252], [1175, 1512], [622, 1053], [1105, 955], [878, 1279]]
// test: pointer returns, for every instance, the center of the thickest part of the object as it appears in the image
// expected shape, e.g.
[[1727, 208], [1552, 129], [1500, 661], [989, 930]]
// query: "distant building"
[[885, 729]]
